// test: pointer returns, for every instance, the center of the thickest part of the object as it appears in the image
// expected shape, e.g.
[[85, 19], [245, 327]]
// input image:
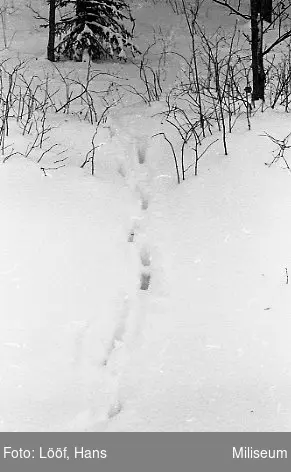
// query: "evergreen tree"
[[96, 26]]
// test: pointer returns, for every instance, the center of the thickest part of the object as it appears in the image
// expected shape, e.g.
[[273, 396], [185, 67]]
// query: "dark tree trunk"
[[81, 11], [257, 51], [52, 31], [267, 9]]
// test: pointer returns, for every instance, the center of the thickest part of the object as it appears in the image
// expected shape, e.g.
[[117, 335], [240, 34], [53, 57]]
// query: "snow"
[[65, 275], [215, 354], [131, 303]]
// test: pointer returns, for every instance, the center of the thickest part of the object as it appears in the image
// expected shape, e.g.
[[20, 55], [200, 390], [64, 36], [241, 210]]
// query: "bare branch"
[[234, 10], [278, 41]]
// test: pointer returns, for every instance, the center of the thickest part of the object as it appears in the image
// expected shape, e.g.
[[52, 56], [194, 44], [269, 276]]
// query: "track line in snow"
[[129, 323]]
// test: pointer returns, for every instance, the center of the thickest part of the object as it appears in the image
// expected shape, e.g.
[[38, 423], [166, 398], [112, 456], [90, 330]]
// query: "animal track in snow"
[[122, 171], [131, 236], [142, 146], [145, 276], [141, 154], [145, 257], [114, 410], [144, 203], [145, 279], [144, 199], [133, 231], [118, 336]]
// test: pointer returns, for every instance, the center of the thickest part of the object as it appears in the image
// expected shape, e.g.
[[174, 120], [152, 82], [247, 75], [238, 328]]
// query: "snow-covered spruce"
[[98, 27]]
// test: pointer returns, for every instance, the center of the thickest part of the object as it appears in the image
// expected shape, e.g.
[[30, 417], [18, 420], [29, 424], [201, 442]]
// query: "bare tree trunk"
[[52, 31], [267, 9], [257, 51]]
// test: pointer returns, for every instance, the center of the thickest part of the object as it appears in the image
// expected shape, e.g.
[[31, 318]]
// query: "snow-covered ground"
[[215, 352], [131, 303]]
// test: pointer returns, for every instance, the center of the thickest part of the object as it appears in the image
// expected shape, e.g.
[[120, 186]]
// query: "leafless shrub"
[[6, 9], [84, 91], [7, 98], [173, 152], [279, 153], [91, 154], [186, 122], [279, 79], [152, 75], [28, 100]]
